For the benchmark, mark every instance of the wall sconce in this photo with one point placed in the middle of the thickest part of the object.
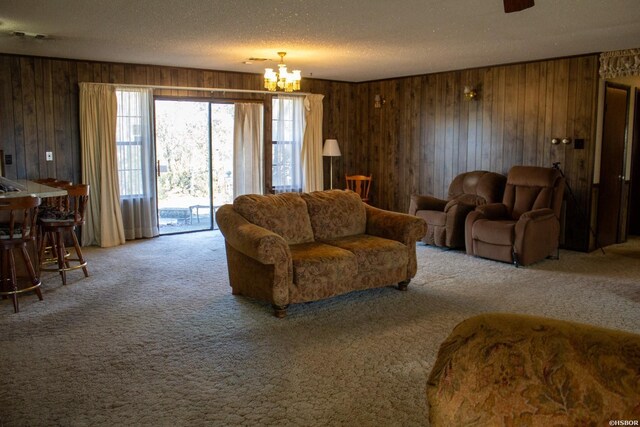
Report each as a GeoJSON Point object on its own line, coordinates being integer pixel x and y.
{"type": "Point", "coordinates": [378, 101]}
{"type": "Point", "coordinates": [565, 141]}
{"type": "Point", "coordinates": [470, 93]}
{"type": "Point", "coordinates": [23, 35]}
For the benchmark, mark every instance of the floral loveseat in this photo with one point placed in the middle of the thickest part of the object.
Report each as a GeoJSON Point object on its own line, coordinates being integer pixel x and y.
{"type": "Point", "coordinates": [296, 247]}
{"type": "Point", "coordinates": [516, 370]}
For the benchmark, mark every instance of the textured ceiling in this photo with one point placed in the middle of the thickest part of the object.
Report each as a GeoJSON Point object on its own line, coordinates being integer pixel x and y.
{"type": "Point", "coordinates": [351, 40]}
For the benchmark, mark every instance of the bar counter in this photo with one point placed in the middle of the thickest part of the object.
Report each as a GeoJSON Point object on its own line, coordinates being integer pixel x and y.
{"type": "Point", "coordinates": [25, 188]}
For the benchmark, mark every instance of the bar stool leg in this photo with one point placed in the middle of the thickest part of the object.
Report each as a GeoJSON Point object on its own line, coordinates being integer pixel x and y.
{"type": "Point", "coordinates": [76, 245]}
{"type": "Point", "coordinates": [32, 273]}
{"type": "Point", "coordinates": [54, 250]}
{"type": "Point", "coordinates": [5, 273]}
{"type": "Point", "coordinates": [61, 261]}
{"type": "Point", "coordinates": [42, 249]}
{"type": "Point", "coordinates": [14, 281]}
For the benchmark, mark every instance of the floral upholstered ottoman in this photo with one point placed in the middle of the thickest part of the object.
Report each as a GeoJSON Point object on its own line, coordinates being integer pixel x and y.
{"type": "Point", "coordinates": [515, 370]}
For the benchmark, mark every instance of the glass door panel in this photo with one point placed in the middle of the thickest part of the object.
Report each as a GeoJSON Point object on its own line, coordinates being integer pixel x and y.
{"type": "Point", "coordinates": [184, 166]}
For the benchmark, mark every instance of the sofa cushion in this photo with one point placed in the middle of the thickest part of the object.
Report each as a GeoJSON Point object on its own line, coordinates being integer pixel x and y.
{"type": "Point", "coordinates": [494, 232]}
{"type": "Point", "coordinates": [321, 270]}
{"type": "Point", "coordinates": [373, 253]}
{"type": "Point", "coordinates": [284, 214]}
{"type": "Point", "coordinates": [335, 213]}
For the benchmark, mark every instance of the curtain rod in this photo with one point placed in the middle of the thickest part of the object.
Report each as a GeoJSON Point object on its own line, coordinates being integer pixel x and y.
{"type": "Point", "coordinates": [208, 89]}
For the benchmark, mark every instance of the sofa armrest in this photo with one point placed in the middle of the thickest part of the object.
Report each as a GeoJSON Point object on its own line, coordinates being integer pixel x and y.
{"type": "Point", "coordinates": [493, 363]}
{"type": "Point", "coordinates": [252, 240]}
{"type": "Point", "coordinates": [401, 227]}
{"type": "Point", "coordinates": [426, 203]}
{"type": "Point", "coordinates": [493, 211]}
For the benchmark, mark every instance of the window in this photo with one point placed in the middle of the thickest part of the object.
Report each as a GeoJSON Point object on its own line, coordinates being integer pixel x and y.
{"type": "Point", "coordinates": [287, 127]}
{"type": "Point", "coordinates": [129, 143]}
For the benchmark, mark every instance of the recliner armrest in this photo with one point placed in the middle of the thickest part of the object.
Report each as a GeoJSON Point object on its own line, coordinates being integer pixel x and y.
{"type": "Point", "coordinates": [252, 240]}
{"type": "Point", "coordinates": [493, 211]}
{"type": "Point", "coordinates": [538, 214]}
{"type": "Point", "coordinates": [426, 203]}
{"type": "Point", "coordinates": [401, 227]}
{"type": "Point", "coordinates": [459, 206]}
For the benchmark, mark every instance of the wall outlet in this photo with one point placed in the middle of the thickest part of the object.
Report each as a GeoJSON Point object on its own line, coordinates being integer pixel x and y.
{"type": "Point", "coordinates": [49, 156]}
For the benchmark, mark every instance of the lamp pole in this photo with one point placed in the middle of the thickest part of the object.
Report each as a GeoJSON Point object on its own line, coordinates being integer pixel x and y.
{"type": "Point", "coordinates": [331, 172]}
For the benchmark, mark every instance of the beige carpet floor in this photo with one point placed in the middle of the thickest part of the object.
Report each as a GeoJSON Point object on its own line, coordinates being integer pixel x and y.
{"type": "Point", "coordinates": [154, 337]}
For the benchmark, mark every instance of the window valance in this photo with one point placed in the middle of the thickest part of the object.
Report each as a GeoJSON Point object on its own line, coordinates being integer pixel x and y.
{"type": "Point", "coordinates": [620, 63]}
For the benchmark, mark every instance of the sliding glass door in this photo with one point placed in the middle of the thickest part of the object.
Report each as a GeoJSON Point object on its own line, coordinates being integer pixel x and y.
{"type": "Point", "coordinates": [194, 146]}
{"type": "Point", "coordinates": [183, 151]}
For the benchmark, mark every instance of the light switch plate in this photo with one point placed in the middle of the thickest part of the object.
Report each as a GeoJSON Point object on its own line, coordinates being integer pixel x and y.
{"type": "Point", "coordinates": [49, 156]}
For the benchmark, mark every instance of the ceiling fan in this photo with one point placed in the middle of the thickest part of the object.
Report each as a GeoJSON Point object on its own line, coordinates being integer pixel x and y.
{"type": "Point", "coordinates": [517, 5]}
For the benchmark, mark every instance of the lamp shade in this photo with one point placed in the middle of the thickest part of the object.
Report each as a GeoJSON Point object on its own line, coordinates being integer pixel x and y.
{"type": "Point", "coordinates": [331, 148]}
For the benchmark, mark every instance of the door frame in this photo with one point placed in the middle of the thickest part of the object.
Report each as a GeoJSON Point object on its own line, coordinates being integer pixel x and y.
{"type": "Point", "coordinates": [633, 217]}
{"type": "Point", "coordinates": [620, 234]}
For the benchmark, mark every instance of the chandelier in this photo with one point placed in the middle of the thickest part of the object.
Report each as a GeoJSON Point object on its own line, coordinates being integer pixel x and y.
{"type": "Point", "coordinates": [283, 80]}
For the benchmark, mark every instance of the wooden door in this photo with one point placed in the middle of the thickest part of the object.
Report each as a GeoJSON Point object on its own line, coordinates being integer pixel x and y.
{"type": "Point", "coordinates": [612, 163]}
{"type": "Point", "coordinates": [634, 194]}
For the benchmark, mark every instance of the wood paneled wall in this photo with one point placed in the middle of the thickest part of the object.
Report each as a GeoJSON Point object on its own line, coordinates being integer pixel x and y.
{"type": "Point", "coordinates": [427, 132]}
{"type": "Point", "coordinates": [39, 106]}
{"type": "Point", "coordinates": [423, 136]}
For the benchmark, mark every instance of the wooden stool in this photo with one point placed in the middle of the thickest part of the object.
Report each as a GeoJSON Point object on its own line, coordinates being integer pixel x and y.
{"type": "Point", "coordinates": [17, 233]}
{"type": "Point", "coordinates": [61, 221]}
{"type": "Point", "coordinates": [49, 204]}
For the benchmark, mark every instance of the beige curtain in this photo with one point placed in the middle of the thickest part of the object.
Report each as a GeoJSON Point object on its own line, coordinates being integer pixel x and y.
{"type": "Point", "coordinates": [98, 112]}
{"type": "Point", "coordinates": [312, 144]}
{"type": "Point", "coordinates": [248, 167]}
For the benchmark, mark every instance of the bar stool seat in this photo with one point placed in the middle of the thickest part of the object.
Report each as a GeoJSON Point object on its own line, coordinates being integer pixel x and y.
{"type": "Point", "coordinates": [20, 230]}
{"type": "Point", "coordinates": [59, 221]}
{"type": "Point", "coordinates": [48, 205]}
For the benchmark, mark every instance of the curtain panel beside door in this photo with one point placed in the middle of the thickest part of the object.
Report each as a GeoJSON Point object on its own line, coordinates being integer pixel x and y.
{"type": "Point", "coordinates": [98, 112]}
{"type": "Point", "coordinates": [248, 149]}
{"type": "Point", "coordinates": [312, 144]}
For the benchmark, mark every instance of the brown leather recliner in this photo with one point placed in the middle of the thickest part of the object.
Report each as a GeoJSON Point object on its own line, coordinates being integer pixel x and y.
{"type": "Point", "coordinates": [525, 227]}
{"type": "Point", "coordinates": [445, 218]}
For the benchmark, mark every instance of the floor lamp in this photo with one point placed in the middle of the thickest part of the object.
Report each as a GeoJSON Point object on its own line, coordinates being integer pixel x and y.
{"type": "Point", "coordinates": [331, 150]}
